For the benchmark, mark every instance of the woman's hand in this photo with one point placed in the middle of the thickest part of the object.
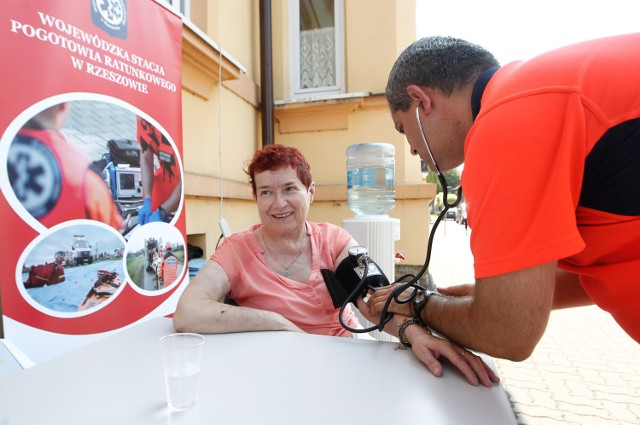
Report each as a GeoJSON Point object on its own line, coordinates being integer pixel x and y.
{"type": "Point", "coordinates": [285, 324]}
{"type": "Point", "coordinates": [429, 349]}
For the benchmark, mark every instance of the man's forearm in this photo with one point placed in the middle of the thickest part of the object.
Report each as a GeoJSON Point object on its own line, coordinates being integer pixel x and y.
{"type": "Point", "coordinates": [505, 317]}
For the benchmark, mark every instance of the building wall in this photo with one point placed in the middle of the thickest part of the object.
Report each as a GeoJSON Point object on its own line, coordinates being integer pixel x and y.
{"type": "Point", "coordinates": [222, 119]}
{"type": "Point", "coordinates": [376, 32]}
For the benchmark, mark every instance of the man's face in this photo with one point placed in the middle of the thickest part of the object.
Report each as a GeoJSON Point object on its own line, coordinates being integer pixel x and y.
{"type": "Point", "coordinates": [406, 123]}
{"type": "Point", "coordinates": [443, 128]}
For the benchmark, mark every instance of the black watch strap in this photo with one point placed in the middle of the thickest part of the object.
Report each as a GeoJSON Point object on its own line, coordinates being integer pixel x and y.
{"type": "Point", "coordinates": [419, 302]}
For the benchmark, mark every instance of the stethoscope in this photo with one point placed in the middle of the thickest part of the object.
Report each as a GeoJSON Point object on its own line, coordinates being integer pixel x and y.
{"type": "Point", "coordinates": [412, 284]}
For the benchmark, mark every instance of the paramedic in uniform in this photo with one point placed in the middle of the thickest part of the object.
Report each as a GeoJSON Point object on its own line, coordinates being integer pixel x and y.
{"type": "Point", "coordinates": [558, 136]}
{"type": "Point", "coordinates": [162, 186]}
{"type": "Point", "coordinates": [169, 267]}
{"type": "Point", "coordinates": [52, 177]}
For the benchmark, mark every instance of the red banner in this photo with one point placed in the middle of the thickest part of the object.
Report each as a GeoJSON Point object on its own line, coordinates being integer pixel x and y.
{"type": "Point", "coordinates": [92, 206]}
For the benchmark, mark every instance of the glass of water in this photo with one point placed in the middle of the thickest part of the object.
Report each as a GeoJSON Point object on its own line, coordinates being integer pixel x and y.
{"type": "Point", "coordinates": [181, 359]}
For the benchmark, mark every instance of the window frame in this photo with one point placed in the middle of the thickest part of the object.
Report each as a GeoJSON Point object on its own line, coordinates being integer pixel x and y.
{"type": "Point", "coordinates": [294, 53]}
{"type": "Point", "coordinates": [181, 7]}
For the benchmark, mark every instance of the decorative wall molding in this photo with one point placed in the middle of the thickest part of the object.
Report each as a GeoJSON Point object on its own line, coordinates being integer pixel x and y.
{"type": "Point", "coordinates": [324, 114]}
{"type": "Point", "coordinates": [200, 185]}
{"type": "Point", "coordinates": [201, 64]}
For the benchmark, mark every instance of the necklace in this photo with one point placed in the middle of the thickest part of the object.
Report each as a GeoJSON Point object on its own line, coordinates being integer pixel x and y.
{"type": "Point", "coordinates": [286, 272]}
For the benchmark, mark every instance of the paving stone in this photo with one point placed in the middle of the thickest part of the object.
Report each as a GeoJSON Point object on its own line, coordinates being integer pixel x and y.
{"type": "Point", "coordinates": [543, 413]}
{"type": "Point", "coordinates": [623, 410]}
{"type": "Point", "coordinates": [594, 420]}
{"type": "Point", "coordinates": [578, 389]}
{"type": "Point", "coordinates": [584, 407]}
{"type": "Point", "coordinates": [525, 419]}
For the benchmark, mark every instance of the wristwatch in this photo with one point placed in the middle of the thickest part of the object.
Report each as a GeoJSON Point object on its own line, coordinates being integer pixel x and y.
{"type": "Point", "coordinates": [419, 302]}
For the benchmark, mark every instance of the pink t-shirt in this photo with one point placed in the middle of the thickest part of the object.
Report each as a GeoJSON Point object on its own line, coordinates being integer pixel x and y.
{"type": "Point", "coordinates": [307, 305]}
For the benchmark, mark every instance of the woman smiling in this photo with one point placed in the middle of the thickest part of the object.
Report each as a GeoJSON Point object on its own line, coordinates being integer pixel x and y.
{"type": "Point", "coordinates": [273, 272]}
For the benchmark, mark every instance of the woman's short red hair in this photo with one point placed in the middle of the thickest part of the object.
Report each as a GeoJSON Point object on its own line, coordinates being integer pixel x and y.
{"type": "Point", "coordinates": [275, 157]}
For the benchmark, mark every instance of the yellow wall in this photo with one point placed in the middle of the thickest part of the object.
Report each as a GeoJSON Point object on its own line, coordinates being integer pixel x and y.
{"type": "Point", "coordinates": [371, 41]}
{"type": "Point", "coordinates": [280, 48]}
{"type": "Point", "coordinates": [203, 216]}
{"type": "Point", "coordinates": [326, 150]}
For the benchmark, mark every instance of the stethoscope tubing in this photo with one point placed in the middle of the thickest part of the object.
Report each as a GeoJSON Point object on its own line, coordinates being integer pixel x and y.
{"type": "Point", "coordinates": [413, 284]}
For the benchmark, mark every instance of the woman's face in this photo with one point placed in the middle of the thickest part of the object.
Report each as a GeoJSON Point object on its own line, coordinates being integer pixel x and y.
{"type": "Point", "coordinates": [283, 201]}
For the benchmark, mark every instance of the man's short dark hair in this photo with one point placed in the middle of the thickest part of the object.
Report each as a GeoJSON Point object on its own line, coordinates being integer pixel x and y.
{"type": "Point", "coordinates": [441, 63]}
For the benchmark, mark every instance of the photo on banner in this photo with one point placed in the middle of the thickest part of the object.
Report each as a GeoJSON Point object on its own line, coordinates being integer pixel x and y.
{"type": "Point", "coordinates": [91, 170]}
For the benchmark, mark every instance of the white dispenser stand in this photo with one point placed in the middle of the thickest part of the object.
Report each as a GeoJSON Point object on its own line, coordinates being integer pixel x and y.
{"type": "Point", "coordinates": [378, 234]}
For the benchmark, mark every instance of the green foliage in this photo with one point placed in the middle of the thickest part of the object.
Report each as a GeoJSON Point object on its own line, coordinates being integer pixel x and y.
{"type": "Point", "coordinates": [135, 267]}
{"type": "Point", "coordinates": [453, 180]}
{"type": "Point", "coordinates": [452, 177]}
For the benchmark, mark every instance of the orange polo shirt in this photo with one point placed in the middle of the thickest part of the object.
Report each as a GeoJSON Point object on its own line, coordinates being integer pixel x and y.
{"type": "Point", "coordinates": [70, 190]}
{"type": "Point", "coordinates": [550, 171]}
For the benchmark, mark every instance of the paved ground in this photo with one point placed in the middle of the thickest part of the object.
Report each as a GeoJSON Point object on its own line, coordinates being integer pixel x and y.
{"type": "Point", "coordinates": [584, 371]}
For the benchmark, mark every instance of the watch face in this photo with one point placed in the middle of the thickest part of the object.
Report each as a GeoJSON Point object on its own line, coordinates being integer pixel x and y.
{"type": "Point", "coordinates": [357, 251]}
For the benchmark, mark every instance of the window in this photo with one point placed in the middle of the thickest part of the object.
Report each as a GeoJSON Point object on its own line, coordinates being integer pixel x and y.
{"type": "Point", "coordinates": [180, 6]}
{"type": "Point", "coordinates": [317, 47]}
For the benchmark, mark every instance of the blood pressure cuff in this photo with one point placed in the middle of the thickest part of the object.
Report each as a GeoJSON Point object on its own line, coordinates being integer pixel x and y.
{"type": "Point", "coordinates": [348, 275]}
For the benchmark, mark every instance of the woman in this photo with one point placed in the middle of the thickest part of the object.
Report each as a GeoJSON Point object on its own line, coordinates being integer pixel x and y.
{"type": "Point", "coordinates": [272, 271]}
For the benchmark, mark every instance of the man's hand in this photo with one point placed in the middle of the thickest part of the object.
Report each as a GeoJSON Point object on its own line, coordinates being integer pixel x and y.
{"type": "Point", "coordinates": [378, 298]}
{"type": "Point", "coordinates": [145, 211]}
{"type": "Point", "coordinates": [155, 217]}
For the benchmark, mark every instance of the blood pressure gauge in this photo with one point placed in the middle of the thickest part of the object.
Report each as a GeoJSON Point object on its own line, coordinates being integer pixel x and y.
{"type": "Point", "coordinates": [357, 251]}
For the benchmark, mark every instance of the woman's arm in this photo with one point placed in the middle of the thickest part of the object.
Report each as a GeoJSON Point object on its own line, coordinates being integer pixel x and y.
{"type": "Point", "coordinates": [200, 308]}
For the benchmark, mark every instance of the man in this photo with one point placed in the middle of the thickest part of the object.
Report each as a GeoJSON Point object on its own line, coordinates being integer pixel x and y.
{"type": "Point", "coordinates": [169, 267]}
{"type": "Point", "coordinates": [161, 186]}
{"type": "Point", "coordinates": [52, 178]}
{"type": "Point", "coordinates": [551, 148]}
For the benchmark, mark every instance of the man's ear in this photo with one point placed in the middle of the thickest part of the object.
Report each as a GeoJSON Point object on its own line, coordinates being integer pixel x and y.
{"type": "Point", "coordinates": [420, 95]}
